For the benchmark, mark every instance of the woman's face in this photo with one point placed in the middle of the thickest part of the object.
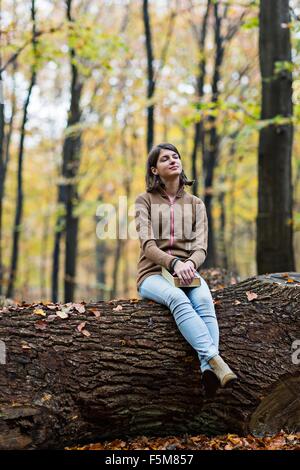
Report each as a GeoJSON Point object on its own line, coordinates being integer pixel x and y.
{"type": "Point", "coordinates": [168, 164]}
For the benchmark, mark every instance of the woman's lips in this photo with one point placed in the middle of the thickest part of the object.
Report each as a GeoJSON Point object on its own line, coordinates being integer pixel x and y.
{"type": "Point", "coordinates": [173, 167]}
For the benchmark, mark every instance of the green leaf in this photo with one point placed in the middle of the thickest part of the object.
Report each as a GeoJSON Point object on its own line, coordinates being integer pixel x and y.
{"type": "Point", "coordinates": [250, 23]}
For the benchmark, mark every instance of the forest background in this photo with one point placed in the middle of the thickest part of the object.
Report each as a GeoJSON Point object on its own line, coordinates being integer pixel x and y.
{"type": "Point", "coordinates": [88, 87]}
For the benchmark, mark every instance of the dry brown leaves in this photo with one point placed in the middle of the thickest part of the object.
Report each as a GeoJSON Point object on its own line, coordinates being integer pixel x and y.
{"type": "Point", "coordinates": [280, 441]}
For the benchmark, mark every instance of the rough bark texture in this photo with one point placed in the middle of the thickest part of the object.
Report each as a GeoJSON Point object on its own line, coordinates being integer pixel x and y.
{"type": "Point", "coordinates": [150, 75]}
{"type": "Point", "coordinates": [67, 222]}
{"type": "Point", "coordinates": [210, 156]}
{"type": "Point", "coordinates": [200, 81]}
{"type": "Point", "coordinates": [18, 218]}
{"type": "Point", "coordinates": [274, 248]}
{"type": "Point", "coordinates": [135, 374]}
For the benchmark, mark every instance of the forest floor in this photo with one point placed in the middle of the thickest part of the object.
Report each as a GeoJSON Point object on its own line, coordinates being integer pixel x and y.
{"type": "Point", "coordinates": [280, 441]}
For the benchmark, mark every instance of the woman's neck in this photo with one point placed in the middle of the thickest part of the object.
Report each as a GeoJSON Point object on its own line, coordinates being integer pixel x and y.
{"type": "Point", "coordinates": [171, 187]}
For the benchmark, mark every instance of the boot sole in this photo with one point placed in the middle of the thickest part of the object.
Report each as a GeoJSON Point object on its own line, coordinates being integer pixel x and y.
{"type": "Point", "coordinates": [230, 381]}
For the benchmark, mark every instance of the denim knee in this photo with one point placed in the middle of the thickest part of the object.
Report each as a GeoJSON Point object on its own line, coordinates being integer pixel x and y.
{"type": "Point", "coordinates": [175, 296]}
{"type": "Point", "coordinates": [204, 301]}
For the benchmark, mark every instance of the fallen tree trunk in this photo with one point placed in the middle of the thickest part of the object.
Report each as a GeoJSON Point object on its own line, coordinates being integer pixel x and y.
{"type": "Point", "coordinates": [122, 368]}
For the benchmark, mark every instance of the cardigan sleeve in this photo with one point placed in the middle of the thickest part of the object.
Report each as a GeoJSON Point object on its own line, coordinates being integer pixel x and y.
{"type": "Point", "coordinates": [199, 244]}
{"type": "Point", "coordinates": [146, 235]}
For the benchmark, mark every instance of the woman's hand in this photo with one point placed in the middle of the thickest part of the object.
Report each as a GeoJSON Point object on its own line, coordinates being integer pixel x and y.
{"type": "Point", "coordinates": [185, 271]}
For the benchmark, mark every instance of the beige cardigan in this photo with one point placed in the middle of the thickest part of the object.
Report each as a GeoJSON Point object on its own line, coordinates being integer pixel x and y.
{"type": "Point", "coordinates": [168, 229]}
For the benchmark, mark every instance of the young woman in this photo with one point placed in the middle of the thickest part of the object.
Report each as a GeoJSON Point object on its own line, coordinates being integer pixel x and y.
{"type": "Point", "coordinates": [172, 228]}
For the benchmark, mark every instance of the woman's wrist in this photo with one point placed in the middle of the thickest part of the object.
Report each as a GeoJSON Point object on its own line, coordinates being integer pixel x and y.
{"type": "Point", "coordinates": [193, 263]}
{"type": "Point", "coordinates": [173, 263]}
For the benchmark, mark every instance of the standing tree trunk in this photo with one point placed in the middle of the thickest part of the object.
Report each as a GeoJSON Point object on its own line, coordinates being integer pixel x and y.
{"type": "Point", "coordinates": [118, 251]}
{"type": "Point", "coordinates": [129, 161]}
{"type": "Point", "coordinates": [210, 155]}
{"type": "Point", "coordinates": [210, 136]}
{"type": "Point", "coordinates": [2, 163]}
{"type": "Point", "coordinates": [72, 146]}
{"type": "Point", "coordinates": [274, 250]}
{"type": "Point", "coordinates": [122, 369]}
{"type": "Point", "coordinates": [150, 74]}
{"type": "Point", "coordinates": [67, 222]}
{"type": "Point", "coordinates": [5, 158]}
{"type": "Point", "coordinates": [59, 227]}
{"type": "Point", "coordinates": [231, 172]}
{"type": "Point", "coordinates": [2, 166]}
{"type": "Point", "coordinates": [19, 201]}
{"type": "Point", "coordinates": [5, 141]}
{"type": "Point", "coordinates": [101, 249]}
{"type": "Point", "coordinates": [221, 232]}
{"type": "Point", "coordinates": [198, 129]}
{"type": "Point", "coordinates": [43, 256]}
{"type": "Point", "coordinates": [152, 78]}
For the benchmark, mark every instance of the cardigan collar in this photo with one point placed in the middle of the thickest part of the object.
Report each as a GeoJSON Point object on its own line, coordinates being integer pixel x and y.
{"type": "Point", "coordinates": [179, 193]}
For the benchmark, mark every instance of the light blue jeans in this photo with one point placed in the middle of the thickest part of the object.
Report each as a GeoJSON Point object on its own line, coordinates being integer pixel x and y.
{"type": "Point", "coordinates": [193, 311]}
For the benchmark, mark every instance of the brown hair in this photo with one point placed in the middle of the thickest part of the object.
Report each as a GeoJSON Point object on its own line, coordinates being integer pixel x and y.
{"type": "Point", "coordinates": [154, 181]}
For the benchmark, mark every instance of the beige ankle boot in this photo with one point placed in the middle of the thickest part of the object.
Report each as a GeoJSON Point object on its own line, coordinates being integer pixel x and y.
{"type": "Point", "coordinates": [222, 370]}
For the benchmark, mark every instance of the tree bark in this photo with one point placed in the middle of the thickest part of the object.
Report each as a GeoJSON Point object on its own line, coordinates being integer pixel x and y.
{"type": "Point", "coordinates": [153, 75]}
{"type": "Point", "coordinates": [20, 196]}
{"type": "Point", "coordinates": [2, 169]}
{"type": "Point", "coordinates": [211, 153]}
{"type": "Point", "coordinates": [67, 222]}
{"type": "Point", "coordinates": [136, 374]}
{"type": "Point", "coordinates": [150, 76]}
{"type": "Point", "coordinates": [200, 79]}
{"type": "Point", "coordinates": [274, 249]}
{"type": "Point", "coordinates": [101, 250]}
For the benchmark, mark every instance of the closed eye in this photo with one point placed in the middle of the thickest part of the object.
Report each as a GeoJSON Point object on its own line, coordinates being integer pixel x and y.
{"type": "Point", "coordinates": [165, 157]}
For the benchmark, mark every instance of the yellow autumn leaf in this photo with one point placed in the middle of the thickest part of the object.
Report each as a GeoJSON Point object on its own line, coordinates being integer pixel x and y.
{"type": "Point", "coordinates": [39, 311]}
